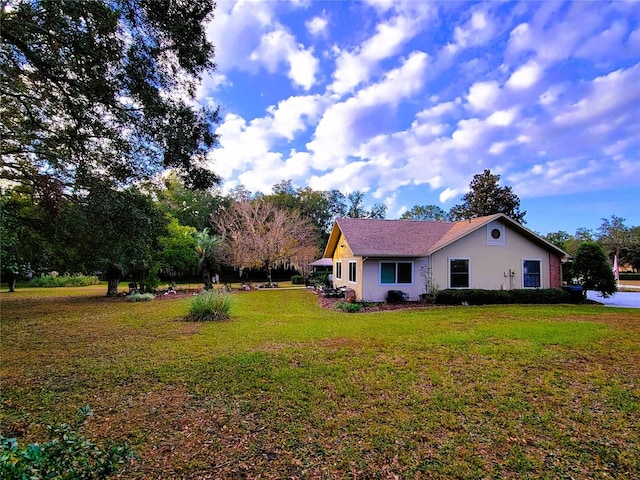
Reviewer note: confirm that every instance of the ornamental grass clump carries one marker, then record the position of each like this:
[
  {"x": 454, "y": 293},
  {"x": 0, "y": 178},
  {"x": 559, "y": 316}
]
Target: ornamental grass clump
[
  {"x": 210, "y": 306},
  {"x": 140, "y": 297}
]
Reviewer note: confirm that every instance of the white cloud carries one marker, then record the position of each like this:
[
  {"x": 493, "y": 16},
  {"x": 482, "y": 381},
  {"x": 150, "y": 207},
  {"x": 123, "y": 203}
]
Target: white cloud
[
  {"x": 244, "y": 146},
  {"x": 280, "y": 46},
  {"x": 240, "y": 24},
  {"x": 351, "y": 70},
  {"x": 399, "y": 83},
  {"x": 482, "y": 96},
  {"x": 502, "y": 118},
  {"x": 354, "y": 67},
  {"x": 478, "y": 30},
  {"x": 317, "y": 25},
  {"x": 612, "y": 94},
  {"x": 525, "y": 76},
  {"x": 288, "y": 117},
  {"x": 437, "y": 111},
  {"x": 448, "y": 194},
  {"x": 600, "y": 46},
  {"x": 469, "y": 133},
  {"x": 347, "y": 124},
  {"x": 520, "y": 38}
]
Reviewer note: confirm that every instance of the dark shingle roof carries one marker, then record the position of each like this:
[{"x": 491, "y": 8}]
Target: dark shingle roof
[
  {"x": 387, "y": 238},
  {"x": 405, "y": 238}
]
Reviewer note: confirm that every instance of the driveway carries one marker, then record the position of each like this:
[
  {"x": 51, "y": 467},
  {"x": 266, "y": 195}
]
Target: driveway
[{"x": 619, "y": 299}]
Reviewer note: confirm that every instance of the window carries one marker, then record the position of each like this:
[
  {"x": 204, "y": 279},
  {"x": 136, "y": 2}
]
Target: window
[
  {"x": 352, "y": 272},
  {"x": 495, "y": 234},
  {"x": 459, "y": 273},
  {"x": 396, "y": 272},
  {"x": 531, "y": 274},
  {"x": 338, "y": 269}
]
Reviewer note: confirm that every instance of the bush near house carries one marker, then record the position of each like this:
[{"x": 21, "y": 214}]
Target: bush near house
[
  {"x": 629, "y": 276},
  {"x": 502, "y": 297}
]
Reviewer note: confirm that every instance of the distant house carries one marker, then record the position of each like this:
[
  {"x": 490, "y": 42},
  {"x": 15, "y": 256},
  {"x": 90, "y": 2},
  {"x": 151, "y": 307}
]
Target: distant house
[{"x": 493, "y": 252}]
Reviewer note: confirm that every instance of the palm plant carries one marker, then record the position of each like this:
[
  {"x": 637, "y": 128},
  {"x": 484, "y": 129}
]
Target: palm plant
[{"x": 207, "y": 246}]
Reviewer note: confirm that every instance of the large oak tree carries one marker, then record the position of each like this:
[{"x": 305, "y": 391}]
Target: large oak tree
[
  {"x": 486, "y": 197},
  {"x": 104, "y": 88}
]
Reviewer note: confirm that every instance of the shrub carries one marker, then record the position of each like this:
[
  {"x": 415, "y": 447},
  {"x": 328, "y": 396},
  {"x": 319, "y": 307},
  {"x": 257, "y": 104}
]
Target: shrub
[
  {"x": 210, "y": 306},
  {"x": 591, "y": 265},
  {"x": 67, "y": 455},
  {"x": 321, "y": 279},
  {"x": 54, "y": 280},
  {"x": 493, "y": 297},
  {"x": 629, "y": 276},
  {"x": 140, "y": 297},
  {"x": 297, "y": 279},
  {"x": 349, "y": 307}
]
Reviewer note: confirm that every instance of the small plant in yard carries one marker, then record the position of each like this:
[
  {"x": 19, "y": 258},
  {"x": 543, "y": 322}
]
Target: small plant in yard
[
  {"x": 67, "y": 455},
  {"x": 431, "y": 288},
  {"x": 210, "y": 306},
  {"x": 141, "y": 297},
  {"x": 349, "y": 307}
]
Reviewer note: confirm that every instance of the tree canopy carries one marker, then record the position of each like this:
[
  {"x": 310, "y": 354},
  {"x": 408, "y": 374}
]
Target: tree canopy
[
  {"x": 486, "y": 197},
  {"x": 104, "y": 88},
  {"x": 258, "y": 234},
  {"x": 591, "y": 265},
  {"x": 619, "y": 240},
  {"x": 426, "y": 213}
]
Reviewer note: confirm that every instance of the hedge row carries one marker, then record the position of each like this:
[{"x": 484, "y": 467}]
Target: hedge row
[
  {"x": 490, "y": 297},
  {"x": 629, "y": 276}
]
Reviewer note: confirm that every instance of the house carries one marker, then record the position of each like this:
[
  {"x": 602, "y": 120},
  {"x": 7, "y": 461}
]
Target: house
[
  {"x": 322, "y": 266},
  {"x": 495, "y": 252}
]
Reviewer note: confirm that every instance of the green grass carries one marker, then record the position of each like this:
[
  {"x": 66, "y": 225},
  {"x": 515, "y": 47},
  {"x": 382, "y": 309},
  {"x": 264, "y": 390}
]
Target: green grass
[{"x": 288, "y": 389}]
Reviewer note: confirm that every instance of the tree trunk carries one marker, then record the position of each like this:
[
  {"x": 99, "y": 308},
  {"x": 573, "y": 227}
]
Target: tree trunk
[
  {"x": 269, "y": 274},
  {"x": 112, "y": 287},
  {"x": 12, "y": 284},
  {"x": 206, "y": 277}
]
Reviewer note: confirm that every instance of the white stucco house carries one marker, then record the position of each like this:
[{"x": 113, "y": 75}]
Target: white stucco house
[{"x": 494, "y": 252}]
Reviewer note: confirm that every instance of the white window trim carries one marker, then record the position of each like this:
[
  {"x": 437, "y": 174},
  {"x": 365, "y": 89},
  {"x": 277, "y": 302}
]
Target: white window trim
[
  {"x": 539, "y": 260},
  {"x": 355, "y": 272},
  {"x": 468, "y": 259},
  {"x": 396, "y": 276},
  {"x": 339, "y": 270}
]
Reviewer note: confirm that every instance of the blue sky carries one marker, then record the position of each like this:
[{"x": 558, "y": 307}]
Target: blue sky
[{"x": 408, "y": 100}]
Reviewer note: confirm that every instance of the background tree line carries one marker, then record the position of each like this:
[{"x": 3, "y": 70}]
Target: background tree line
[{"x": 164, "y": 230}]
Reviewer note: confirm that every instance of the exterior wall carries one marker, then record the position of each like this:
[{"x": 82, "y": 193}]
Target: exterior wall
[
  {"x": 344, "y": 254},
  {"x": 374, "y": 291},
  {"x": 494, "y": 267}
]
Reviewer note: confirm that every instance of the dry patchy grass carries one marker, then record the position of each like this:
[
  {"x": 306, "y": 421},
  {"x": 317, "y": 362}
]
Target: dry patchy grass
[{"x": 287, "y": 389}]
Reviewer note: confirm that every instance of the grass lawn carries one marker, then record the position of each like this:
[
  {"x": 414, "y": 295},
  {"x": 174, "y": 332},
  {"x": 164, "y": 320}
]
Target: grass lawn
[{"x": 287, "y": 389}]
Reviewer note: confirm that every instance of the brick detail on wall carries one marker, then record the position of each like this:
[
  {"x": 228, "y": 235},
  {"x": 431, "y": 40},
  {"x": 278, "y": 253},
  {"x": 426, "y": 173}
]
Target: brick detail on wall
[{"x": 555, "y": 271}]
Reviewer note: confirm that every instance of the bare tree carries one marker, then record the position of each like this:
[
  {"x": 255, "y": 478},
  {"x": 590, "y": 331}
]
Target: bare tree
[{"x": 258, "y": 234}]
